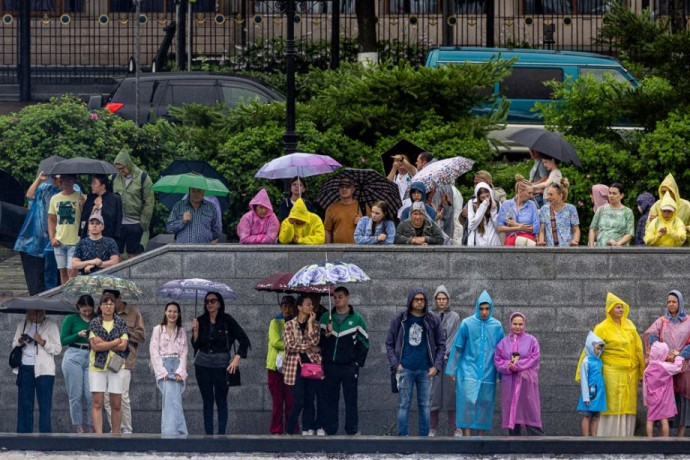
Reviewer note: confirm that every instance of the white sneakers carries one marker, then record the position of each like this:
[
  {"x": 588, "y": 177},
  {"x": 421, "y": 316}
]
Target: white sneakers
[
  {"x": 308, "y": 433},
  {"x": 458, "y": 433},
  {"x": 320, "y": 432},
  {"x": 432, "y": 433}
]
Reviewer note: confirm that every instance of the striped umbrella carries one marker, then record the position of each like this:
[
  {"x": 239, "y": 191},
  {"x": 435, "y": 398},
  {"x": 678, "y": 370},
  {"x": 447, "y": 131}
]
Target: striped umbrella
[{"x": 370, "y": 187}]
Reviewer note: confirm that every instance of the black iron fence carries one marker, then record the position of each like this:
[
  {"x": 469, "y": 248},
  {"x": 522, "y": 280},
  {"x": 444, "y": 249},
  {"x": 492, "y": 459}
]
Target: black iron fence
[{"x": 96, "y": 38}]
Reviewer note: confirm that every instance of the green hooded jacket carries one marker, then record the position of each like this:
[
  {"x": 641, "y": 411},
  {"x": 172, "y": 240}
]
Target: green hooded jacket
[{"x": 137, "y": 197}]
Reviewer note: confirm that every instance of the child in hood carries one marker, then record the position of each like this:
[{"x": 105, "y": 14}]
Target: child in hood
[
  {"x": 592, "y": 395},
  {"x": 259, "y": 225},
  {"x": 302, "y": 227},
  {"x": 666, "y": 230},
  {"x": 658, "y": 387}
]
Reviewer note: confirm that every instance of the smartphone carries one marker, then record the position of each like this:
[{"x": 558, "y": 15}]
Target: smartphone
[{"x": 27, "y": 338}]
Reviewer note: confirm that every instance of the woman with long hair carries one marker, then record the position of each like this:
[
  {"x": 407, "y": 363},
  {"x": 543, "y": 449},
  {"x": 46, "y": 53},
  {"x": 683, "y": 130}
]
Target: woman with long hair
[
  {"x": 168, "y": 352},
  {"x": 75, "y": 363},
  {"x": 377, "y": 229},
  {"x": 40, "y": 341},
  {"x": 213, "y": 336},
  {"x": 560, "y": 224},
  {"x": 482, "y": 217},
  {"x": 298, "y": 188},
  {"x": 108, "y": 338},
  {"x": 613, "y": 223}
]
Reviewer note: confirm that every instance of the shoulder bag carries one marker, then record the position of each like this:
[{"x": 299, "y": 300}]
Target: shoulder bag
[
  {"x": 16, "y": 353},
  {"x": 232, "y": 380}
]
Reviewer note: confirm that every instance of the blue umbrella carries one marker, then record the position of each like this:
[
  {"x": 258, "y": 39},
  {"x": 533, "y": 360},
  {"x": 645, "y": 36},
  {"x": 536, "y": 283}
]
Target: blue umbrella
[
  {"x": 188, "y": 289},
  {"x": 328, "y": 274}
]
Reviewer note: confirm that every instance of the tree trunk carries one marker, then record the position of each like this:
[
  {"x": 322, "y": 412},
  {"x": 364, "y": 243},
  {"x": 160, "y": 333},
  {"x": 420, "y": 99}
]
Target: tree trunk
[{"x": 366, "y": 23}]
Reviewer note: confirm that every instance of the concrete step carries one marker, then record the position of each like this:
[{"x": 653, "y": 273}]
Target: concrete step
[{"x": 12, "y": 282}]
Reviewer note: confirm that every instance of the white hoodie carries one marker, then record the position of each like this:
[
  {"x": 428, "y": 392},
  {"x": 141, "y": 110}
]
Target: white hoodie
[{"x": 474, "y": 218}]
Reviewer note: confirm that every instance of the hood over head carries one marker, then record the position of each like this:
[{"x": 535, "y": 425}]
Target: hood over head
[
  {"x": 658, "y": 352},
  {"x": 590, "y": 342},
  {"x": 439, "y": 290},
  {"x": 484, "y": 297},
  {"x": 667, "y": 202},
  {"x": 521, "y": 315},
  {"x": 125, "y": 158},
  {"x": 262, "y": 199},
  {"x": 645, "y": 201},
  {"x": 611, "y": 301},
  {"x": 421, "y": 187},
  {"x": 600, "y": 195},
  {"x": 413, "y": 292},
  {"x": 485, "y": 186},
  {"x": 299, "y": 211},
  {"x": 681, "y": 308},
  {"x": 419, "y": 206},
  {"x": 669, "y": 183}
]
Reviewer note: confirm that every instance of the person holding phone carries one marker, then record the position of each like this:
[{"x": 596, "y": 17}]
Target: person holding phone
[{"x": 40, "y": 341}]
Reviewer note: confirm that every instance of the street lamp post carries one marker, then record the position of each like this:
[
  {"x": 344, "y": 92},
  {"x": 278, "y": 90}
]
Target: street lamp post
[{"x": 290, "y": 137}]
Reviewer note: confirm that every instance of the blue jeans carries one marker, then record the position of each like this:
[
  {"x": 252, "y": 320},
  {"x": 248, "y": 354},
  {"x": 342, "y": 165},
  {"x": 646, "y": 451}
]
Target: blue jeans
[
  {"x": 40, "y": 387},
  {"x": 407, "y": 382},
  {"x": 51, "y": 276},
  {"x": 75, "y": 368},
  {"x": 172, "y": 419}
]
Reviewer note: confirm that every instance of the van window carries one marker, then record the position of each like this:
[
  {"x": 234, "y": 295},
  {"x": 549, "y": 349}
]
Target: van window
[
  {"x": 598, "y": 73},
  {"x": 236, "y": 95},
  {"x": 529, "y": 83},
  {"x": 186, "y": 92}
]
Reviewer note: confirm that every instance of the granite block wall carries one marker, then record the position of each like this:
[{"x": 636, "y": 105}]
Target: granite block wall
[{"x": 562, "y": 292}]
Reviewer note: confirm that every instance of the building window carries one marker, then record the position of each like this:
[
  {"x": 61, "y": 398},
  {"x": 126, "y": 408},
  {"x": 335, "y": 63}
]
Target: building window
[
  {"x": 412, "y": 6},
  {"x": 469, "y": 6}
]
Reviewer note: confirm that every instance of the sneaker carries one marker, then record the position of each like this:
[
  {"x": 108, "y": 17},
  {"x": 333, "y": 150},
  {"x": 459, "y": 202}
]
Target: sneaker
[
  {"x": 432, "y": 433},
  {"x": 126, "y": 431},
  {"x": 320, "y": 432},
  {"x": 308, "y": 433},
  {"x": 458, "y": 433}
]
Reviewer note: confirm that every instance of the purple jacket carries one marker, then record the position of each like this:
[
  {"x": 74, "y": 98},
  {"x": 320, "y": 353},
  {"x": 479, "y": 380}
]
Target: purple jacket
[{"x": 436, "y": 341}]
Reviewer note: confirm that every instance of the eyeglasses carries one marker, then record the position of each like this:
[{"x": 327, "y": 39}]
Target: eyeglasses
[
  {"x": 208, "y": 301},
  {"x": 107, "y": 304}
]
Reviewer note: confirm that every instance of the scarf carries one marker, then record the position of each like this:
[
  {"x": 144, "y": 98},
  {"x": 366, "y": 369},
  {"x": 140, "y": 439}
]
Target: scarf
[{"x": 119, "y": 328}]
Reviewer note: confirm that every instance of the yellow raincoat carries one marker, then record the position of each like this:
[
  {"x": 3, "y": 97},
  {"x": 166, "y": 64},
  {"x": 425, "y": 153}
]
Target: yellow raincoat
[
  {"x": 675, "y": 229},
  {"x": 622, "y": 358},
  {"x": 682, "y": 206},
  {"x": 312, "y": 232}
]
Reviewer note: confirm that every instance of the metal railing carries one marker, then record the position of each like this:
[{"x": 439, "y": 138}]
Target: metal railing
[{"x": 95, "y": 38}]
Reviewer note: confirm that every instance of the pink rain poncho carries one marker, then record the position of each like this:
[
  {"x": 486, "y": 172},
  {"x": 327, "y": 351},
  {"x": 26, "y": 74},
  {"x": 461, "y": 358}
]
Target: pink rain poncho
[
  {"x": 658, "y": 383},
  {"x": 520, "y": 403},
  {"x": 252, "y": 229}
]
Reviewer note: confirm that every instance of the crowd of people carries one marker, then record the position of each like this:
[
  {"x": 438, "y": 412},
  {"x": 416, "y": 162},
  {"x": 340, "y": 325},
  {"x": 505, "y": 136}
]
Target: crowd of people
[{"x": 314, "y": 354}]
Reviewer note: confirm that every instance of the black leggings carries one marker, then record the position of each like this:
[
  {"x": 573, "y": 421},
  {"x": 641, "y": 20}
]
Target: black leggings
[{"x": 214, "y": 388}]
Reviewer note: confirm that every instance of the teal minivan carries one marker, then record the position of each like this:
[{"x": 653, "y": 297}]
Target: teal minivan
[{"x": 533, "y": 68}]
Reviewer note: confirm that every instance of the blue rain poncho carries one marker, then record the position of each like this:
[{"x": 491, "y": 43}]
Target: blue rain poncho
[
  {"x": 471, "y": 361},
  {"x": 33, "y": 237}
]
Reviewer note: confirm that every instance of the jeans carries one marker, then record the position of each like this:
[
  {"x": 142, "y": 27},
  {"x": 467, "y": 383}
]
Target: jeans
[
  {"x": 337, "y": 376},
  {"x": 172, "y": 419},
  {"x": 33, "y": 273},
  {"x": 282, "y": 401},
  {"x": 51, "y": 276},
  {"x": 214, "y": 388},
  {"x": 75, "y": 368},
  {"x": 42, "y": 387},
  {"x": 407, "y": 382},
  {"x": 304, "y": 392}
]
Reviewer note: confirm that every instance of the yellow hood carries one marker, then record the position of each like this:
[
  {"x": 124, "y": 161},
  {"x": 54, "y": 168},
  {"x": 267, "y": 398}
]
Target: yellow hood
[
  {"x": 670, "y": 183},
  {"x": 668, "y": 200},
  {"x": 299, "y": 211},
  {"x": 611, "y": 301}
]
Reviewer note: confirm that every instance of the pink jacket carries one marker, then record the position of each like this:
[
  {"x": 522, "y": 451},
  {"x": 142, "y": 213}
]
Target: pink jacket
[
  {"x": 162, "y": 345},
  {"x": 658, "y": 383},
  {"x": 252, "y": 229}
]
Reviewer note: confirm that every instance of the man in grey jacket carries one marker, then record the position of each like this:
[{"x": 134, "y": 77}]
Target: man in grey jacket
[{"x": 416, "y": 347}]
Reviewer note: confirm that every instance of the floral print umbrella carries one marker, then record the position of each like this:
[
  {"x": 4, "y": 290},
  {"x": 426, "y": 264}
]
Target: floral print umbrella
[
  {"x": 443, "y": 172},
  {"x": 328, "y": 274},
  {"x": 94, "y": 285},
  {"x": 188, "y": 289}
]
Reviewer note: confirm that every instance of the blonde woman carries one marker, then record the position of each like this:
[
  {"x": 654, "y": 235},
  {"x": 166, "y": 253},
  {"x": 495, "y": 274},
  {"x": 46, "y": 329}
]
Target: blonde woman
[
  {"x": 519, "y": 216},
  {"x": 560, "y": 224}
]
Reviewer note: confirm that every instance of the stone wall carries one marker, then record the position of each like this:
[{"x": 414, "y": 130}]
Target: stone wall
[{"x": 561, "y": 291}]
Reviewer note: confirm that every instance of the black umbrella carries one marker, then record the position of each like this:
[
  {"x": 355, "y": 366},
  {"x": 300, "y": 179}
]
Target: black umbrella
[
  {"x": 81, "y": 165},
  {"x": 370, "y": 187},
  {"x": 198, "y": 166},
  {"x": 402, "y": 147},
  {"x": 11, "y": 221},
  {"x": 548, "y": 143},
  {"x": 52, "y": 306},
  {"x": 48, "y": 163}
]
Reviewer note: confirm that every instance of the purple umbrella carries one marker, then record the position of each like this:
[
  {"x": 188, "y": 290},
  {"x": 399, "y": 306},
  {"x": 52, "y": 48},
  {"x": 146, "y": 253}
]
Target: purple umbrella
[
  {"x": 189, "y": 289},
  {"x": 297, "y": 164}
]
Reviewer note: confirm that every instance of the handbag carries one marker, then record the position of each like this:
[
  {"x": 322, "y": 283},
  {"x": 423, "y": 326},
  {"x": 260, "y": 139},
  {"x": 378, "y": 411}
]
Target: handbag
[
  {"x": 311, "y": 371},
  {"x": 524, "y": 241},
  {"x": 16, "y": 356},
  {"x": 115, "y": 363}
]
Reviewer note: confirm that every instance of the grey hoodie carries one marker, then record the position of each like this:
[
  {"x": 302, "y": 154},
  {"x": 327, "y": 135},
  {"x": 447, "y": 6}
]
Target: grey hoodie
[{"x": 450, "y": 320}]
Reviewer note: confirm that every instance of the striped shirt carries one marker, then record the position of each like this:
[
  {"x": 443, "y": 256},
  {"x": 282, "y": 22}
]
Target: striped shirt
[{"x": 202, "y": 229}]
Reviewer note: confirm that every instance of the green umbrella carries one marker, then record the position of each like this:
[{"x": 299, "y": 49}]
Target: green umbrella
[
  {"x": 95, "y": 285},
  {"x": 180, "y": 183}
]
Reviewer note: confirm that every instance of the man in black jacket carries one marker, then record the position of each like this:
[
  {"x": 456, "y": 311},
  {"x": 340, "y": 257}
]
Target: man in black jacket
[{"x": 344, "y": 346}]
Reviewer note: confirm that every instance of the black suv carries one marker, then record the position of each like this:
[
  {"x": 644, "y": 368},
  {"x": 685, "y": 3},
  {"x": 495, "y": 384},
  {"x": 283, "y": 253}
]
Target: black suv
[{"x": 158, "y": 91}]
